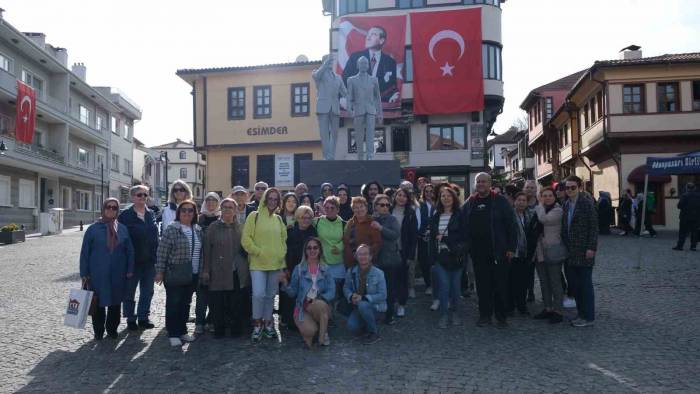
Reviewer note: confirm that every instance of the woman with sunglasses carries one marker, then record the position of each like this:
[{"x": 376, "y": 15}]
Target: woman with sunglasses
[
  {"x": 313, "y": 289},
  {"x": 106, "y": 263},
  {"x": 297, "y": 236},
  {"x": 265, "y": 240},
  {"x": 404, "y": 212},
  {"x": 389, "y": 258},
  {"x": 178, "y": 265},
  {"x": 143, "y": 231},
  {"x": 179, "y": 192},
  {"x": 330, "y": 231}
]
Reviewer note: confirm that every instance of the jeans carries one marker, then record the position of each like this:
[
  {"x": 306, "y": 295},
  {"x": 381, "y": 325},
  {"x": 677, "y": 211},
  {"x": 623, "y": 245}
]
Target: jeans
[
  {"x": 518, "y": 284},
  {"x": 177, "y": 309},
  {"x": 425, "y": 261},
  {"x": 550, "y": 284},
  {"x": 448, "y": 287},
  {"x": 111, "y": 323},
  {"x": 144, "y": 273},
  {"x": 581, "y": 278},
  {"x": 393, "y": 277},
  {"x": 265, "y": 288},
  {"x": 200, "y": 307},
  {"x": 363, "y": 317},
  {"x": 491, "y": 286}
]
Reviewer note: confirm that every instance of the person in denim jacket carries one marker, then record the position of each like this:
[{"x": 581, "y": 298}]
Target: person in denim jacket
[
  {"x": 365, "y": 290},
  {"x": 313, "y": 288}
]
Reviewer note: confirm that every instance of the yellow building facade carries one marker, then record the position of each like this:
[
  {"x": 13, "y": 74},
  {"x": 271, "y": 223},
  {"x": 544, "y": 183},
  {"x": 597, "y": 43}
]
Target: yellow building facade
[{"x": 254, "y": 123}]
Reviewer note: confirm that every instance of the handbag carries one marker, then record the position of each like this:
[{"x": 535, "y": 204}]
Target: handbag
[
  {"x": 555, "y": 253},
  {"x": 181, "y": 274},
  {"x": 79, "y": 302},
  {"x": 93, "y": 300}
]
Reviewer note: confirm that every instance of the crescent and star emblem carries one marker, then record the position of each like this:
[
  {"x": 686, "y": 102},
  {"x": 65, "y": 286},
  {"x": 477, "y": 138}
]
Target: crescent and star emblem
[
  {"x": 446, "y": 35},
  {"x": 26, "y": 100}
]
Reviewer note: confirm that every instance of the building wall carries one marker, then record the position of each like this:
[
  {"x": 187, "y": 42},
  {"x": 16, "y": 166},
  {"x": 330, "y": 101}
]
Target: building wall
[{"x": 13, "y": 213}]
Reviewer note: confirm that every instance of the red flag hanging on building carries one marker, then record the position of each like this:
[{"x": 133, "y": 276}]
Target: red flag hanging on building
[
  {"x": 447, "y": 73},
  {"x": 26, "y": 113}
]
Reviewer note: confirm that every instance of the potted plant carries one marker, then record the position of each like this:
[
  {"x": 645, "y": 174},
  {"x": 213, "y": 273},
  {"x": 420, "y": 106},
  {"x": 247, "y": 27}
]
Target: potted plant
[{"x": 11, "y": 234}]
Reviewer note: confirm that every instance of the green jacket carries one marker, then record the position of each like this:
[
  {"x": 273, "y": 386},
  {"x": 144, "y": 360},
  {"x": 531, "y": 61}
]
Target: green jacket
[
  {"x": 265, "y": 239},
  {"x": 331, "y": 234}
]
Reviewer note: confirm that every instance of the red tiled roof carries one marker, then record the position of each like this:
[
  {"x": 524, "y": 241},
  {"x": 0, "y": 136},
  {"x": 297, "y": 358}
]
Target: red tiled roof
[
  {"x": 692, "y": 57},
  {"x": 565, "y": 83}
]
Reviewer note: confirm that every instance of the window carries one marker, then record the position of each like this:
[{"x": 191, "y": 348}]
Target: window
[
  {"x": 667, "y": 97},
  {"x": 84, "y": 200},
  {"x": 5, "y": 188},
  {"x": 114, "y": 125},
  {"x": 38, "y": 138},
  {"x": 352, "y": 6},
  {"x": 491, "y": 61},
  {"x": 99, "y": 122},
  {"x": 633, "y": 99},
  {"x": 379, "y": 141},
  {"x": 592, "y": 106},
  {"x": 84, "y": 114},
  {"x": 199, "y": 174},
  {"x": 409, "y": 64},
  {"x": 263, "y": 107},
  {"x": 449, "y": 137},
  {"x": 33, "y": 81},
  {"x": 5, "y": 63},
  {"x": 497, "y": 3},
  {"x": 240, "y": 171},
  {"x": 548, "y": 108},
  {"x": 298, "y": 158},
  {"x": 300, "y": 99},
  {"x": 127, "y": 131},
  {"x": 83, "y": 157},
  {"x": 115, "y": 162},
  {"x": 599, "y": 104},
  {"x": 401, "y": 139},
  {"x": 266, "y": 169},
  {"x": 98, "y": 201},
  {"x": 564, "y": 135},
  {"x": 127, "y": 167},
  {"x": 410, "y": 3},
  {"x": 27, "y": 193},
  {"x": 183, "y": 155},
  {"x": 66, "y": 198},
  {"x": 696, "y": 95},
  {"x": 236, "y": 103},
  {"x": 586, "y": 119},
  {"x": 183, "y": 173}
]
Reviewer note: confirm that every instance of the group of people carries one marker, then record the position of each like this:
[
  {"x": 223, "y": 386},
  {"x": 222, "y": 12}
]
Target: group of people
[{"x": 339, "y": 255}]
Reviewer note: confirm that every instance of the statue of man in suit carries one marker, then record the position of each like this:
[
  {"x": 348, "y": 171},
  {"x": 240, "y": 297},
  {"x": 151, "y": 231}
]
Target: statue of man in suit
[
  {"x": 330, "y": 88},
  {"x": 365, "y": 105}
]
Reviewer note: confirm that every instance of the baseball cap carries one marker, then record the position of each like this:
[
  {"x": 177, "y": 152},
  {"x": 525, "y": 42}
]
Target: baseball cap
[{"x": 239, "y": 189}]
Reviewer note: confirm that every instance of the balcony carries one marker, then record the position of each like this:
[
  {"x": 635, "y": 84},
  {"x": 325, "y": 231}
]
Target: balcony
[
  {"x": 566, "y": 153},
  {"x": 592, "y": 136},
  {"x": 39, "y": 152},
  {"x": 645, "y": 125}
]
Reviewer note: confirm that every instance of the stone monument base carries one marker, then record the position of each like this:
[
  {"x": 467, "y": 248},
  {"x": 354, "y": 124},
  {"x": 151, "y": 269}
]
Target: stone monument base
[{"x": 353, "y": 173}]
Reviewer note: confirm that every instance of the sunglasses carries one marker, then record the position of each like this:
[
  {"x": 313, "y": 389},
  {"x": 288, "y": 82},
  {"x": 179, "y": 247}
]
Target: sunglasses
[
  {"x": 112, "y": 207},
  {"x": 312, "y": 248},
  {"x": 141, "y": 195},
  {"x": 571, "y": 187},
  {"x": 383, "y": 205},
  {"x": 178, "y": 190},
  {"x": 186, "y": 210}
]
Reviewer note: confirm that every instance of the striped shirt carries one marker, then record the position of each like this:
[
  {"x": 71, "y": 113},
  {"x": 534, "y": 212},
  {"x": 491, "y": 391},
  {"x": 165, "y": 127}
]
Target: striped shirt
[
  {"x": 197, "y": 248},
  {"x": 444, "y": 221}
]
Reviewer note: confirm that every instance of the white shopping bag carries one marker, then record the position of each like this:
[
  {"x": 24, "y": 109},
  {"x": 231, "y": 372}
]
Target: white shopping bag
[{"x": 78, "y": 308}]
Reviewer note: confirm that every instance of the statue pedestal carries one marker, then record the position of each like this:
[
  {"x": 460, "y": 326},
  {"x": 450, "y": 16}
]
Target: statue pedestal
[{"x": 353, "y": 173}]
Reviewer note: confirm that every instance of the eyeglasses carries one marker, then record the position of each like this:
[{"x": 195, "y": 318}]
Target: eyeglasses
[
  {"x": 178, "y": 190},
  {"x": 312, "y": 248},
  {"x": 571, "y": 187},
  {"x": 142, "y": 195},
  {"x": 112, "y": 207},
  {"x": 383, "y": 204},
  {"x": 186, "y": 210},
  {"x": 260, "y": 189}
]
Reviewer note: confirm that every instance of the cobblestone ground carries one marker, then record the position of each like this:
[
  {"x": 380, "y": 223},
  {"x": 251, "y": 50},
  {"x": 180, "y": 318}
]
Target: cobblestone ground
[{"x": 646, "y": 339}]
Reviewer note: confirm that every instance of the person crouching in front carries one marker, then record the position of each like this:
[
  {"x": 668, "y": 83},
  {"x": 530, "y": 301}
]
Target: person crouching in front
[{"x": 365, "y": 290}]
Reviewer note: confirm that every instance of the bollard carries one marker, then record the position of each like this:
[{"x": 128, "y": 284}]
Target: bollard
[{"x": 81, "y": 225}]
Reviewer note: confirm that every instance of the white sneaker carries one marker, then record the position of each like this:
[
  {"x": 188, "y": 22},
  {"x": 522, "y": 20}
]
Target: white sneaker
[
  {"x": 326, "y": 340},
  {"x": 569, "y": 303},
  {"x": 187, "y": 338},
  {"x": 175, "y": 342},
  {"x": 428, "y": 291},
  {"x": 435, "y": 306},
  {"x": 199, "y": 329},
  {"x": 401, "y": 311}
]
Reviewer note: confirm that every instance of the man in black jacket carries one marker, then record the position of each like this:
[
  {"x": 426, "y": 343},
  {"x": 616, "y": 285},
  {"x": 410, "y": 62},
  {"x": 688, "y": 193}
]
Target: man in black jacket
[
  {"x": 490, "y": 231},
  {"x": 689, "y": 206}
]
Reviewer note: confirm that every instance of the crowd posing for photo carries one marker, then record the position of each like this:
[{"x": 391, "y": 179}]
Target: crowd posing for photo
[{"x": 342, "y": 257}]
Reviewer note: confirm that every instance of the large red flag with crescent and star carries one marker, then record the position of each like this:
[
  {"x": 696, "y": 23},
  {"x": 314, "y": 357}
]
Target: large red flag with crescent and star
[
  {"x": 447, "y": 74},
  {"x": 26, "y": 113}
]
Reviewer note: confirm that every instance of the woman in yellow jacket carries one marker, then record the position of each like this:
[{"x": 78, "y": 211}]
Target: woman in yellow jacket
[{"x": 265, "y": 240}]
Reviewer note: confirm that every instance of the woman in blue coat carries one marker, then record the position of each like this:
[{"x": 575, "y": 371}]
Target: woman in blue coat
[{"x": 106, "y": 261}]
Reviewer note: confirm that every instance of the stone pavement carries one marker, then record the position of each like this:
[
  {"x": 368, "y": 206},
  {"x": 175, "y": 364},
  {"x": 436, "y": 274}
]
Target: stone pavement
[{"x": 646, "y": 339}]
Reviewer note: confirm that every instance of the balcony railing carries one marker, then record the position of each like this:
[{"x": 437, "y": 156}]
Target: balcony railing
[
  {"x": 7, "y": 125},
  {"x": 39, "y": 152}
]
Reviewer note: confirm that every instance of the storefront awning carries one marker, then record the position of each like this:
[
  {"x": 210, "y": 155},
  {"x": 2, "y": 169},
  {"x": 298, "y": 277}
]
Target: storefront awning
[{"x": 637, "y": 176}]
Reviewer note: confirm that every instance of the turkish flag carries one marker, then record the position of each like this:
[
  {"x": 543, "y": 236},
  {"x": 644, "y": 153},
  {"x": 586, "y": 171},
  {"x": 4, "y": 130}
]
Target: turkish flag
[
  {"x": 26, "y": 113},
  {"x": 447, "y": 74}
]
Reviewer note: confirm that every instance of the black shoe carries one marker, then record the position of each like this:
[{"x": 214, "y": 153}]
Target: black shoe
[
  {"x": 693, "y": 249},
  {"x": 98, "y": 337},
  {"x": 372, "y": 338},
  {"x": 556, "y": 318},
  {"x": 677, "y": 248},
  {"x": 112, "y": 334},
  {"x": 543, "y": 315},
  {"x": 483, "y": 322},
  {"x": 511, "y": 313},
  {"x": 132, "y": 326},
  {"x": 146, "y": 325},
  {"x": 219, "y": 335},
  {"x": 502, "y": 324}
]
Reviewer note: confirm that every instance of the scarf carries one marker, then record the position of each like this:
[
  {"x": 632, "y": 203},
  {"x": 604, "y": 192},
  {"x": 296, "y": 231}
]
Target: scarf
[
  {"x": 111, "y": 225},
  {"x": 362, "y": 285}
]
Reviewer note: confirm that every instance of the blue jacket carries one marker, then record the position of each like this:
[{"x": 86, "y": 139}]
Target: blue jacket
[
  {"x": 376, "y": 287},
  {"x": 301, "y": 282},
  {"x": 107, "y": 271},
  {"x": 143, "y": 233}
]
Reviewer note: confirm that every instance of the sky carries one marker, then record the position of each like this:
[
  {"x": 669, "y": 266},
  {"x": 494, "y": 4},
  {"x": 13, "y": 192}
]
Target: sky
[{"x": 137, "y": 46}]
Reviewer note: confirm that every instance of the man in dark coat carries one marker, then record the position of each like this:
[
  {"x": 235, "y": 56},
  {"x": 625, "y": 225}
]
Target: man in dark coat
[
  {"x": 689, "y": 206},
  {"x": 579, "y": 232},
  {"x": 491, "y": 235}
]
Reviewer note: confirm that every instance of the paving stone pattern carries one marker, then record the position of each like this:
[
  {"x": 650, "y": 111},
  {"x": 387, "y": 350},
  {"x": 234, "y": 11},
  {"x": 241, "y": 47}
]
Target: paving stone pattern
[{"x": 646, "y": 339}]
